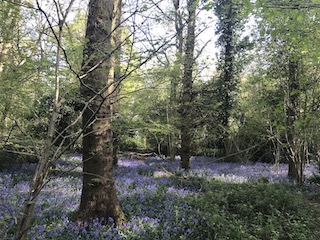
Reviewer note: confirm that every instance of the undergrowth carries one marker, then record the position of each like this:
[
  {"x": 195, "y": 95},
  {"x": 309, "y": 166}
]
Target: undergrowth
[{"x": 171, "y": 206}]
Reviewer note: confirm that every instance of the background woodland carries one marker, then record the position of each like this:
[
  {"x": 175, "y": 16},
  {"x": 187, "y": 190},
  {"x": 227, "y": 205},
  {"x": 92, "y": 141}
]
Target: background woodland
[{"x": 238, "y": 81}]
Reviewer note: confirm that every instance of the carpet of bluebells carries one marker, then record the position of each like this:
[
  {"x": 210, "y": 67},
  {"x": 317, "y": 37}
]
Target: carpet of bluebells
[{"x": 212, "y": 201}]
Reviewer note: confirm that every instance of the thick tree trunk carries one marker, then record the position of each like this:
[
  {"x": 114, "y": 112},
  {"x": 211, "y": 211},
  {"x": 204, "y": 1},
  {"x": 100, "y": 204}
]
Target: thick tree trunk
[
  {"x": 186, "y": 100},
  {"x": 98, "y": 198}
]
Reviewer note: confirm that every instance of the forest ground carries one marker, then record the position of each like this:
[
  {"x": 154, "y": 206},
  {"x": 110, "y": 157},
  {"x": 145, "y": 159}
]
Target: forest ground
[{"x": 212, "y": 201}]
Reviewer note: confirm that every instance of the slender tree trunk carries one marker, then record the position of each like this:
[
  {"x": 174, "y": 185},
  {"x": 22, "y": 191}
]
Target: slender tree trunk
[
  {"x": 175, "y": 79},
  {"x": 186, "y": 99},
  {"x": 115, "y": 74},
  {"x": 172, "y": 118},
  {"x": 44, "y": 164},
  {"x": 98, "y": 198}
]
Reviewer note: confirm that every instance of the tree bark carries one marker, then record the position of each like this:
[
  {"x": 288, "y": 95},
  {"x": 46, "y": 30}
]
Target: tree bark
[
  {"x": 98, "y": 198},
  {"x": 115, "y": 73},
  {"x": 175, "y": 78},
  {"x": 296, "y": 162},
  {"x": 186, "y": 100}
]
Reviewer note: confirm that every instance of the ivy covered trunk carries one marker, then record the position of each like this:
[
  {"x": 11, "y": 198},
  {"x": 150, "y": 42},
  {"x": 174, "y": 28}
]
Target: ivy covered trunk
[
  {"x": 186, "y": 101},
  {"x": 98, "y": 198},
  {"x": 226, "y": 84}
]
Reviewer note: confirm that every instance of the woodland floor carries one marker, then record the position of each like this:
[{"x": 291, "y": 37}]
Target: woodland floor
[{"x": 213, "y": 201}]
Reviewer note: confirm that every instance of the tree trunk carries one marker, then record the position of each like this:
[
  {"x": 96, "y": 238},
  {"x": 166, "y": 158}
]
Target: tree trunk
[
  {"x": 98, "y": 198},
  {"x": 186, "y": 100},
  {"x": 41, "y": 173},
  {"x": 175, "y": 79},
  {"x": 296, "y": 163},
  {"x": 226, "y": 83},
  {"x": 115, "y": 74}
]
